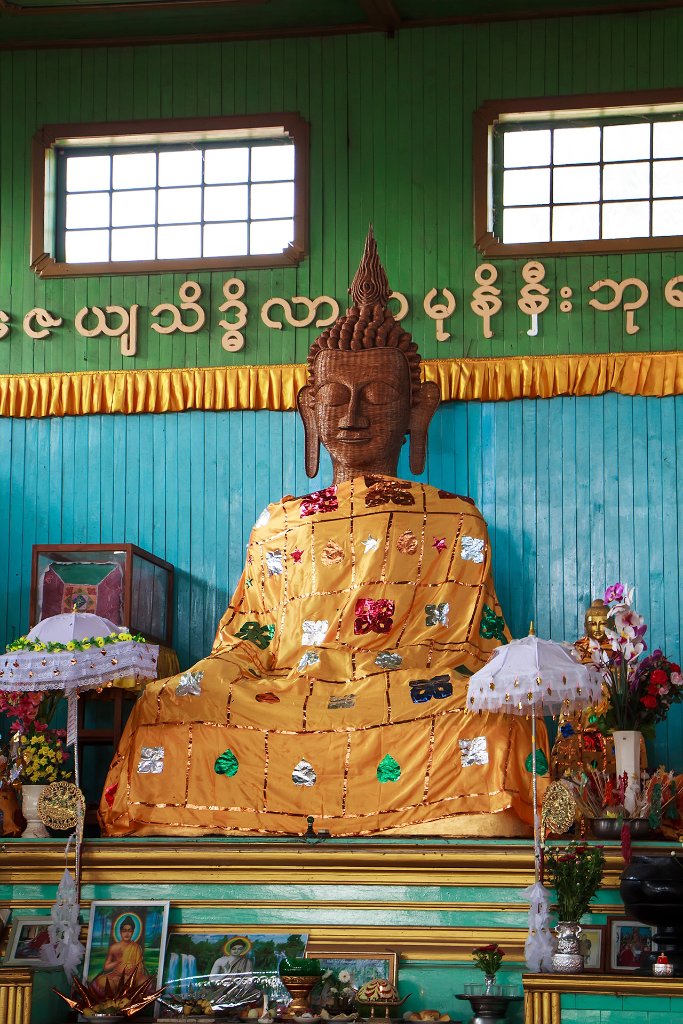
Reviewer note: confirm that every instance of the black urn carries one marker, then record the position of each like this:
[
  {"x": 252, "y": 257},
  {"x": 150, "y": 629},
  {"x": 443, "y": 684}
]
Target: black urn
[{"x": 652, "y": 891}]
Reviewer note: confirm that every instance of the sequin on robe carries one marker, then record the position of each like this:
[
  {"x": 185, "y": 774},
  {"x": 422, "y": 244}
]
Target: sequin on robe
[{"x": 333, "y": 688}]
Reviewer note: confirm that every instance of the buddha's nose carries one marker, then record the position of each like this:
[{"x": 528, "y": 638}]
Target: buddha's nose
[{"x": 355, "y": 418}]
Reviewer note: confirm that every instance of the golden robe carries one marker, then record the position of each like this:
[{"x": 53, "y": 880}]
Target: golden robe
[{"x": 336, "y": 685}]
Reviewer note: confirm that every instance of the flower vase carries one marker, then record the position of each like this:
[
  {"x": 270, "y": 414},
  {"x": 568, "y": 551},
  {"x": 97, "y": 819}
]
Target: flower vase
[
  {"x": 489, "y": 982},
  {"x": 568, "y": 958},
  {"x": 35, "y": 829},
  {"x": 627, "y": 756}
]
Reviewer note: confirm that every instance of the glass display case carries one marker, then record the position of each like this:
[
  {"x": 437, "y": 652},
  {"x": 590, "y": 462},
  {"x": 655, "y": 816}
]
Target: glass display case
[{"x": 120, "y": 582}]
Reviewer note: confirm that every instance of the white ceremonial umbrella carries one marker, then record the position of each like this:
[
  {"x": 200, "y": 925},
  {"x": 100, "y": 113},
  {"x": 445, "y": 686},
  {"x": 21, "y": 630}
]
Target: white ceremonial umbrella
[
  {"x": 32, "y": 671},
  {"x": 531, "y": 677},
  {"x": 72, "y": 626},
  {"x": 71, "y": 671}
]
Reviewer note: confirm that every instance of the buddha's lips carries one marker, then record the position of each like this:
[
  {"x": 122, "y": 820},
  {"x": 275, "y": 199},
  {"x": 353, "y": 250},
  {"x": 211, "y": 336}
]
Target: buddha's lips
[{"x": 353, "y": 438}]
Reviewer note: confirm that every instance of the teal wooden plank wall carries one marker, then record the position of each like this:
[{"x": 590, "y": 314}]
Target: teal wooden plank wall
[
  {"x": 390, "y": 143},
  {"x": 577, "y": 492}
]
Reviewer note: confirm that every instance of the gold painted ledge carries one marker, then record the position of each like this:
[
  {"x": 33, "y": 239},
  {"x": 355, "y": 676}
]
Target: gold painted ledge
[
  {"x": 483, "y": 863},
  {"x": 15, "y": 995},
  {"x": 542, "y": 992}
]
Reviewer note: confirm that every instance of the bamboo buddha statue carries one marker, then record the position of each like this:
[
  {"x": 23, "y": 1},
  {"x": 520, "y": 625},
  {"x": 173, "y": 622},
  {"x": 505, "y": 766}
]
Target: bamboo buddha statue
[{"x": 336, "y": 685}]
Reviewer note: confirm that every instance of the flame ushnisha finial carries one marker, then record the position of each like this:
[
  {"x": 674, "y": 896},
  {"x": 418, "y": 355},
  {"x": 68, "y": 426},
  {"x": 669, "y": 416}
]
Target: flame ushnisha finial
[{"x": 370, "y": 285}]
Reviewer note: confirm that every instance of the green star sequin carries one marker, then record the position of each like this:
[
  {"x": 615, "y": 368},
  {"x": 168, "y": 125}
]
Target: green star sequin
[
  {"x": 492, "y": 626},
  {"x": 226, "y": 764},
  {"x": 388, "y": 770},
  {"x": 541, "y": 763},
  {"x": 256, "y": 634},
  {"x": 249, "y": 582}
]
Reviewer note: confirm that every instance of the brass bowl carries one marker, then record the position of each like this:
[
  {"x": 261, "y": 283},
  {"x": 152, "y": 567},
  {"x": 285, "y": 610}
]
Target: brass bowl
[{"x": 610, "y": 828}]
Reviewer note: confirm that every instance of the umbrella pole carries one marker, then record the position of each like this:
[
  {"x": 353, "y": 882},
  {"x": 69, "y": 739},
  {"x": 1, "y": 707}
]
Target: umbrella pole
[{"x": 534, "y": 790}]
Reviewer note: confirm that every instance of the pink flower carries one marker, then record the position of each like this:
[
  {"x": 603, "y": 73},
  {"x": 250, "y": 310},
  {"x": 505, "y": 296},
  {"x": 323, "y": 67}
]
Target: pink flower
[
  {"x": 627, "y": 622},
  {"x": 614, "y": 593},
  {"x": 676, "y": 678}
]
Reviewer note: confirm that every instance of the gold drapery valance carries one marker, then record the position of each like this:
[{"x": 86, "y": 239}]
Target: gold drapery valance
[{"x": 215, "y": 388}]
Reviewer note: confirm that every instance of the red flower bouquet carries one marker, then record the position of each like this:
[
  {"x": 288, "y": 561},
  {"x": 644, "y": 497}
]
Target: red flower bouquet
[{"x": 638, "y": 691}]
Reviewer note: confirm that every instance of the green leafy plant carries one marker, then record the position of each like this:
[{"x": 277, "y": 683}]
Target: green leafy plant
[{"x": 575, "y": 871}]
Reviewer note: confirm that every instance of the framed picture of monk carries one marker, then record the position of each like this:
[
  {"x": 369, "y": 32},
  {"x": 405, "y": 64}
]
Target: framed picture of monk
[
  {"x": 26, "y": 937},
  {"x": 630, "y": 943},
  {"x": 125, "y": 938}
]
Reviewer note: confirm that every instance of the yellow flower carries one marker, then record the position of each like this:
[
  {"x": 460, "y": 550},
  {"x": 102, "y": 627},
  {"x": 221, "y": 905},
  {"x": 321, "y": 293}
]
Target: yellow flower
[
  {"x": 99, "y": 640},
  {"x": 85, "y": 645},
  {"x": 71, "y": 646},
  {"x": 40, "y": 647},
  {"x": 125, "y": 636}
]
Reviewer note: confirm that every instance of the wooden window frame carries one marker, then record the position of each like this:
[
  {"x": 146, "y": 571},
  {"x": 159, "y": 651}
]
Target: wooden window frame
[
  {"x": 43, "y": 231},
  {"x": 596, "y": 105}
]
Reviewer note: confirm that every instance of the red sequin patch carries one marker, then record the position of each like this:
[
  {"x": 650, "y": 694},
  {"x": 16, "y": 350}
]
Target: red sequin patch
[
  {"x": 267, "y": 698},
  {"x": 110, "y": 793},
  {"x": 319, "y": 501},
  {"x": 373, "y": 616}
]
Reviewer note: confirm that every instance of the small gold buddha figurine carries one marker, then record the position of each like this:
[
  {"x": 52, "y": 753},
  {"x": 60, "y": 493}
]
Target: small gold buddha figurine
[
  {"x": 579, "y": 744},
  {"x": 594, "y": 624}
]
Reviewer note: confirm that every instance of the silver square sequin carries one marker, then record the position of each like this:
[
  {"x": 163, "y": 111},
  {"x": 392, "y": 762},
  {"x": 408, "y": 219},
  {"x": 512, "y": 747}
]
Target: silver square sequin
[
  {"x": 473, "y": 751},
  {"x": 437, "y": 614},
  {"x": 151, "y": 761},
  {"x": 472, "y": 549}
]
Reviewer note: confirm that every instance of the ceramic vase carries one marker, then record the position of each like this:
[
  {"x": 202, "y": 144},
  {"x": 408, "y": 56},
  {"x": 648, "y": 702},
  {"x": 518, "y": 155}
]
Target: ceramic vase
[
  {"x": 35, "y": 829},
  {"x": 627, "y": 755},
  {"x": 568, "y": 958}
]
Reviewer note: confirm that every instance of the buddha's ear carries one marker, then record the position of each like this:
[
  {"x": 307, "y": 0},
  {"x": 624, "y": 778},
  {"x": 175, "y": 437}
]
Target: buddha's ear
[
  {"x": 305, "y": 403},
  {"x": 420, "y": 417}
]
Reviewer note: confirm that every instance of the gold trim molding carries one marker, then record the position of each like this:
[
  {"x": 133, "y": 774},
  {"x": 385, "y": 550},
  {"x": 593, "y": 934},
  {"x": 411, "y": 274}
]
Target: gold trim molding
[
  {"x": 542, "y": 992},
  {"x": 371, "y": 906},
  {"x": 171, "y": 862},
  {"x": 421, "y": 943},
  {"x": 221, "y": 388},
  {"x": 15, "y": 995}
]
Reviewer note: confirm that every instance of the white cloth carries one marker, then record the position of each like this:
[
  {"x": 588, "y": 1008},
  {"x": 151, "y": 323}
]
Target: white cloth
[{"x": 34, "y": 671}]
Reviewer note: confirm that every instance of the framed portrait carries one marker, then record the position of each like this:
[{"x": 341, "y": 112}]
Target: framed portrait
[
  {"x": 349, "y": 971},
  {"x": 26, "y": 936},
  {"x": 630, "y": 942},
  {"x": 246, "y": 963},
  {"x": 124, "y": 938},
  {"x": 593, "y": 947},
  {"x": 217, "y": 954}
]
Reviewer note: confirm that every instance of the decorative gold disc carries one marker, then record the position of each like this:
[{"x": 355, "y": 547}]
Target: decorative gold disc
[
  {"x": 559, "y": 809},
  {"x": 61, "y": 805}
]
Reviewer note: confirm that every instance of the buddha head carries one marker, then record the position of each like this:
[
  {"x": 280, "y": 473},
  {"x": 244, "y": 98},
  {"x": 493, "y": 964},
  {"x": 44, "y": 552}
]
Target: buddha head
[
  {"x": 596, "y": 617},
  {"x": 364, "y": 394}
]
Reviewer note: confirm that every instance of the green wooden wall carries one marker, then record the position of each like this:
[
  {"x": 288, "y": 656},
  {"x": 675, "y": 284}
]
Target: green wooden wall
[{"x": 390, "y": 143}]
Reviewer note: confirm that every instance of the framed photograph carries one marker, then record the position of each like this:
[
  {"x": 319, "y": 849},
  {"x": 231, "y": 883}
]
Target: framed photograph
[
  {"x": 125, "y": 938},
  {"x": 629, "y": 943},
  {"x": 26, "y": 936},
  {"x": 348, "y": 971},
  {"x": 593, "y": 947},
  {"x": 215, "y": 954}
]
